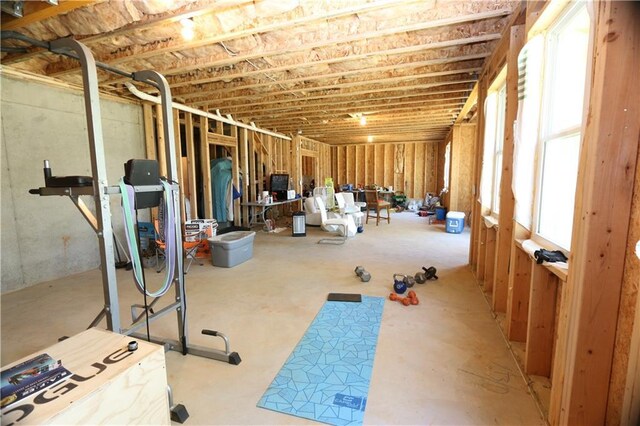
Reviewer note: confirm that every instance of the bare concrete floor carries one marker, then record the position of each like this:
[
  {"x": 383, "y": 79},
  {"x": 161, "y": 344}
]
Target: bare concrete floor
[{"x": 441, "y": 362}]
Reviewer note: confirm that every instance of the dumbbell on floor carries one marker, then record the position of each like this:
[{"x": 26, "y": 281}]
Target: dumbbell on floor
[
  {"x": 428, "y": 274},
  {"x": 363, "y": 274},
  {"x": 409, "y": 281}
]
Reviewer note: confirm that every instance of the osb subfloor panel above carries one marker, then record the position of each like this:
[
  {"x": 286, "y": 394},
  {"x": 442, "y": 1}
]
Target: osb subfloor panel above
[
  {"x": 315, "y": 66},
  {"x": 441, "y": 362}
]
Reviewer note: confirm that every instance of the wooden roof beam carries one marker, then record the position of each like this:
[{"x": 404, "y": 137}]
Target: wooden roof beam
[
  {"x": 451, "y": 107},
  {"x": 422, "y": 22},
  {"x": 342, "y": 84},
  {"x": 369, "y": 109},
  {"x": 190, "y": 10},
  {"x": 439, "y": 81},
  {"x": 419, "y": 69},
  {"x": 424, "y": 52},
  {"x": 356, "y": 105},
  {"x": 35, "y": 12}
]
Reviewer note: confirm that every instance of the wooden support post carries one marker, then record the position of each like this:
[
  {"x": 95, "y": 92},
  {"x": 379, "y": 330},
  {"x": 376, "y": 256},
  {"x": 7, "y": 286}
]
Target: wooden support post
[
  {"x": 476, "y": 208},
  {"x": 489, "y": 258},
  {"x": 297, "y": 172},
  {"x": 267, "y": 142},
  {"x": 261, "y": 164},
  {"x": 606, "y": 174},
  {"x": 206, "y": 168},
  {"x": 235, "y": 171},
  {"x": 559, "y": 359},
  {"x": 454, "y": 177},
  {"x": 243, "y": 145},
  {"x": 519, "y": 288},
  {"x": 507, "y": 202},
  {"x": 250, "y": 181},
  {"x": 191, "y": 164},
  {"x": 149, "y": 133},
  {"x": 482, "y": 237},
  {"x": 162, "y": 156},
  {"x": 541, "y": 327}
]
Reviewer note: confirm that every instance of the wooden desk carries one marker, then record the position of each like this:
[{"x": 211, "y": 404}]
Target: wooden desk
[{"x": 108, "y": 385}]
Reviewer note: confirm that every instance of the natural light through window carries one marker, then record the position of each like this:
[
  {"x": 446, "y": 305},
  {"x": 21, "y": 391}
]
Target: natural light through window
[
  {"x": 499, "y": 143},
  {"x": 566, "y": 61},
  {"x": 495, "y": 105},
  {"x": 447, "y": 165}
]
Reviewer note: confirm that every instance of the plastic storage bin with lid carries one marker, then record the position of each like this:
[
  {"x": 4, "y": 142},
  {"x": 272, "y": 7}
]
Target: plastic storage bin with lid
[
  {"x": 455, "y": 222},
  {"x": 231, "y": 249}
]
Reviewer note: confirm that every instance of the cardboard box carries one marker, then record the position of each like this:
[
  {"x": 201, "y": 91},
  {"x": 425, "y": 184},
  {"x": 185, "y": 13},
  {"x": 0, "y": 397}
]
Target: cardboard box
[
  {"x": 200, "y": 229},
  {"x": 206, "y": 226}
]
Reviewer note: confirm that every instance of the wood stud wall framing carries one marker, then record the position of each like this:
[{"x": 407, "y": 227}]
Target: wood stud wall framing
[
  {"x": 581, "y": 330},
  {"x": 577, "y": 333},
  {"x": 270, "y": 155},
  {"x": 407, "y": 167}
]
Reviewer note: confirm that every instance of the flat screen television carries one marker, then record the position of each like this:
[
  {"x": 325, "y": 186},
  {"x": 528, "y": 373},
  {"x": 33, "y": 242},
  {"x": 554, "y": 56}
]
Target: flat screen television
[{"x": 279, "y": 182}]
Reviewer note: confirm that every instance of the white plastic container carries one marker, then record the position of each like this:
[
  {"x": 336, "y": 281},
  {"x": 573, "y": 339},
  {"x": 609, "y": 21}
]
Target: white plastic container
[{"x": 231, "y": 249}]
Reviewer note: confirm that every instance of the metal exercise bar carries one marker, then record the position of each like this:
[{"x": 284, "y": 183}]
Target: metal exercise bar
[
  {"x": 172, "y": 170},
  {"x": 100, "y": 191},
  {"x": 98, "y": 167},
  {"x": 60, "y": 50}
]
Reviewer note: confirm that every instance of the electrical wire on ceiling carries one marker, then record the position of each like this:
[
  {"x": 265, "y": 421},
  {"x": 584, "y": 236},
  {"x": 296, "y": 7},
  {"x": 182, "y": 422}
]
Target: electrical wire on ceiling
[{"x": 232, "y": 53}]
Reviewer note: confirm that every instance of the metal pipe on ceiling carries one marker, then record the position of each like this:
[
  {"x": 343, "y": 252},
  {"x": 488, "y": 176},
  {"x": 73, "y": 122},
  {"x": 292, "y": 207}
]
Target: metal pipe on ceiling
[
  {"x": 229, "y": 120},
  {"x": 46, "y": 45}
]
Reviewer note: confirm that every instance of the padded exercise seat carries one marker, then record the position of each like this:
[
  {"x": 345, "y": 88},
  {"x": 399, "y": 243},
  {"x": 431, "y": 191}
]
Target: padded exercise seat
[{"x": 376, "y": 204}]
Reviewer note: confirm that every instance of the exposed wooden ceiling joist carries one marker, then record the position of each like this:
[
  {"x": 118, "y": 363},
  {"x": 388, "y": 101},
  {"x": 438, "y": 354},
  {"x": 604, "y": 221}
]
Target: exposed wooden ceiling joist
[
  {"x": 36, "y": 11},
  {"x": 343, "y": 93},
  {"x": 408, "y": 65},
  {"x": 361, "y": 102}
]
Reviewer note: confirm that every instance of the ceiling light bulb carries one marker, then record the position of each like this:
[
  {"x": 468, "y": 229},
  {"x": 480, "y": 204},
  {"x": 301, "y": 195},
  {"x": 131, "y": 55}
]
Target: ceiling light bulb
[
  {"x": 369, "y": 138},
  {"x": 187, "y": 23},
  {"x": 187, "y": 33},
  {"x": 187, "y": 30},
  {"x": 363, "y": 120}
]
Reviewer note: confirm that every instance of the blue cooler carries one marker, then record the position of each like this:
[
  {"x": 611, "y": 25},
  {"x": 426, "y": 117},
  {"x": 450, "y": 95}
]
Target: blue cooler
[{"x": 455, "y": 222}]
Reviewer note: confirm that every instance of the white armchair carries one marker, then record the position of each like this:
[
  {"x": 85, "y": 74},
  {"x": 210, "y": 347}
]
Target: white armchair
[
  {"x": 349, "y": 212},
  {"x": 312, "y": 212}
]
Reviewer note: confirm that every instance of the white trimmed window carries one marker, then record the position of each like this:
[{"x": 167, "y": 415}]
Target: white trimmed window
[
  {"x": 566, "y": 60},
  {"x": 447, "y": 166},
  {"x": 499, "y": 143},
  {"x": 493, "y": 144}
]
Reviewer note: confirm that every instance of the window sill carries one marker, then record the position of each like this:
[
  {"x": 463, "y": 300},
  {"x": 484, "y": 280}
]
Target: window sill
[
  {"x": 558, "y": 270},
  {"x": 490, "y": 222}
]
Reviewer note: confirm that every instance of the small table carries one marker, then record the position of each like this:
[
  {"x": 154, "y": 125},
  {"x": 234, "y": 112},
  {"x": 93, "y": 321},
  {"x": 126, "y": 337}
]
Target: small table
[{"x": 263, "y": 209}]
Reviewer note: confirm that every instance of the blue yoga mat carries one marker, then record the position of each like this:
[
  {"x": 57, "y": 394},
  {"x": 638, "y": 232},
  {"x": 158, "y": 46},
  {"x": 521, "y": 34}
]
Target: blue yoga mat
[{"x": 326, "y": 377}]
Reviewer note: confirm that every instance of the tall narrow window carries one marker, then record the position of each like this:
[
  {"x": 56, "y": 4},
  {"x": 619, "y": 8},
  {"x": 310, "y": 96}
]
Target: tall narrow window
[
  {"x": 447, "y": 165},
  {"x": 493, "y": 143},
  {"x": 566, "y": 60},
  {"x": 499, "y": 143}
]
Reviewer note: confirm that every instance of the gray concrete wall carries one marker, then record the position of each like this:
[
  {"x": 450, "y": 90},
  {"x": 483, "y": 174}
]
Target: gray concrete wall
[{"x": 44, "y": 238}]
